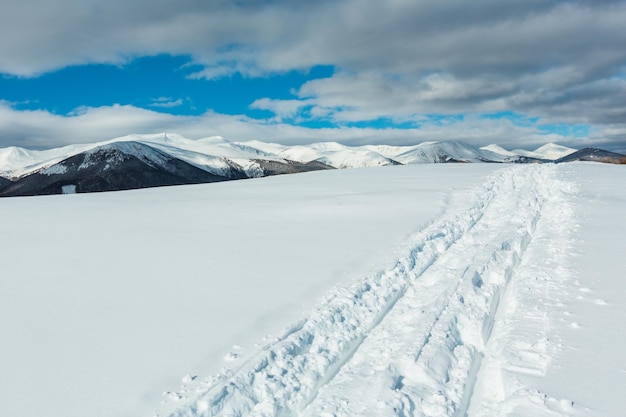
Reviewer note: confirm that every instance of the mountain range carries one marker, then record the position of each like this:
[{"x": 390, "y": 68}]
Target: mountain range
[{"x": 141, "y": 161}]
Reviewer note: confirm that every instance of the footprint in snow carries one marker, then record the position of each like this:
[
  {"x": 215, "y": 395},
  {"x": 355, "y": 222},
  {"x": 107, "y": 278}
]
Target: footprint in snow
[{"x": 189, "y": 378}]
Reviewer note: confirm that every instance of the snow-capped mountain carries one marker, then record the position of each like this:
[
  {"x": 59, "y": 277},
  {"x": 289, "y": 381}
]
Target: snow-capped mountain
[
  {"x": 594, "y": 155},
  {"x": 497, "y": 149},
  {"x": 453, "y": 151},
  {"x": 342, "y": 156},
  {"x": 116, "y": 166},
  {"x": 549, "y": 151},
  {"x": 337, "y": 155},
  {"x": 123, "y": 165},
  {"x": 139, "y": 161}
]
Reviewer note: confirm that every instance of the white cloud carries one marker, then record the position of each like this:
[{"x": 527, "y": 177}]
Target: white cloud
[
  {"x": 41, "y": 129},
  {"x": 166, "y": 102},
  {"x": 557, "y": 60},
  {"x": 283, "y": 109}
]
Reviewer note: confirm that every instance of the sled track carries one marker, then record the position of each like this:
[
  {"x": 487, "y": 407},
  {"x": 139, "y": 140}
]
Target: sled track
[{"x": 406, "y": 341}]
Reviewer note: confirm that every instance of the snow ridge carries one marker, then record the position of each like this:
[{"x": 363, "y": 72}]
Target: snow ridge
[{"x": 324, "y": 363}]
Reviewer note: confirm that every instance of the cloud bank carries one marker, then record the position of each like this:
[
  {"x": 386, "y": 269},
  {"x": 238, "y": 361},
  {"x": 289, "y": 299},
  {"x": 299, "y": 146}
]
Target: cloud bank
[
  {"x": 559, "y": 61},
  {"x": 40, "y": 129}
]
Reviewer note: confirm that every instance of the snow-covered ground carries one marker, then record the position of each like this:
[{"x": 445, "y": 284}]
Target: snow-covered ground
[{"x": 429, "y": 290}]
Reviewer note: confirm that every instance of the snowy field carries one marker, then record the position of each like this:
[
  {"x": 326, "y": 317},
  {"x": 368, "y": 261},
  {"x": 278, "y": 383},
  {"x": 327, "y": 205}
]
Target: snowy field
[{"x": 425, "y": 290}]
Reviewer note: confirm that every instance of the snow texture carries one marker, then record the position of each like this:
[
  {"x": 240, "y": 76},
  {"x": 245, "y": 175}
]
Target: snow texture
[
  {"x": 407, "y": 340},
  {"x": 408, "y": 291}
]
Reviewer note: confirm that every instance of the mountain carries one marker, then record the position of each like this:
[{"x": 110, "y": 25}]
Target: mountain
[
  {"x": 342, "y": 156},
  {"x": 140, "y": 161},
  {"x": 452, "y": 151},
  {"x": 497, "y": 149},
  {"x": 548, "y": 152},
  {"x": 137, "y": 162},
  {"x": 118, "y": 166},
  {"x": 4, "y": 182},
  {"x": 510, "y": 156},
  {"x": 272, "y": 167},
  {"x": 16, "y": 162},
  {"x": 336, "y": 155},
  {"x": 594, "y": 155}
]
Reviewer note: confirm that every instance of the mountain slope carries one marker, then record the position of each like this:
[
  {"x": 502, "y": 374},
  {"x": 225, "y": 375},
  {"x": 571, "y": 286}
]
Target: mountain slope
[
  {"x": 442, "y": 152},
  {"x": 549, "y": 152},
  {"x": 4, "y": 182},
  {"x": 499, "y": 150},
  {"x": 151, "y": 161},
  {"x": 118, "y": 166},
  {"x": 336, "y": 155},
  {"x": 553, "y": 151},
  {"x": 139, "y": 161},
  {"x": 594, "y": 155},
  {"x": 272, "y": 167},
  {"x": 17, "y": 162}
]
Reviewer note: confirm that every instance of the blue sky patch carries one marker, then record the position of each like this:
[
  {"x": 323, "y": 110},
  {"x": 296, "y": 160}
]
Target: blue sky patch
[
  {"x": 577, "y": 131},
  {"x": 516, "y": 118},
  {"x": 161, "y": 83}
]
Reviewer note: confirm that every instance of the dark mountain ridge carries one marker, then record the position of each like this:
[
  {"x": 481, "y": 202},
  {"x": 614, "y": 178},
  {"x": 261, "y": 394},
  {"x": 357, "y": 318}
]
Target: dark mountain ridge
[
  {"x": 594, "y": 155},
  {"x": 131, "y": 165},
  {"x": 126, "y": 166},
  {"x": 4, "y": 182}
]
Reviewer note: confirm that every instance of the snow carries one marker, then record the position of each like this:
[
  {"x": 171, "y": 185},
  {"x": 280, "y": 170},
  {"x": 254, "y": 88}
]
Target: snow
[
  {"x": 553, "y": 151},
  {"x": 498, "y": 149},
  {"x": 594, "y": 301},
  {"x": 111, "y": 298},
  {"x": 336, "y": 155},
  {"x": 549, "y": 151},
  {"x": 210, "y": 154},
  {"x": 426, "y": 290},
  {"x": 55, "y": 169},
  {"x": 16, "y": 162},
  {"x": 217, "y": 155},
  {"x": 69, "y": 189},
  {"x": 429, "y": 152}
]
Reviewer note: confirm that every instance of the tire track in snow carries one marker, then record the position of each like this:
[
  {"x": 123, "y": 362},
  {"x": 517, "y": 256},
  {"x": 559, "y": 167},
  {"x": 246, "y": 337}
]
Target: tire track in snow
[
  {"x": 424, "y": 357},
  {"x": 524, "y": 341},
  {"x": 286, "y": 376}
]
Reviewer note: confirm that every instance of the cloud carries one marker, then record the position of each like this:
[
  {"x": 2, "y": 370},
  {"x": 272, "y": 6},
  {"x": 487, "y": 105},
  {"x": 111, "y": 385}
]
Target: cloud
[
  {"x": 283, "y": 109},
  {"x": 166, "y": 102},
  {"x": 562, "y": 61},
  {"x": 464, "y": 38},
  {"x": 41, "y": 129},
  {"x": 350, "y": 97}
]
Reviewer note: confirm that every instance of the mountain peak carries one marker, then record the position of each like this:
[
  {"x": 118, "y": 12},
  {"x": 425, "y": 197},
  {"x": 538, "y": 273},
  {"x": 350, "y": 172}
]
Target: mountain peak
[
  {"x": 554, "y": 147},
  {"x": 139, "y": 161},
  {"x": 498, "y": 149}
]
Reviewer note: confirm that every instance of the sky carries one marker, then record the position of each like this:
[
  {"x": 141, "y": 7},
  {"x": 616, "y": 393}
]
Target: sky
[{"x": 519, "y": 73}]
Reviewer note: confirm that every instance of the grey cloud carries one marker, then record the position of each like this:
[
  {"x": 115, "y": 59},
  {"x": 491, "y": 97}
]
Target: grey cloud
[
  {"x": 397, "y": 36},
  {"x": 40, "y": 129},
  {"x": 558, "y": 60}
]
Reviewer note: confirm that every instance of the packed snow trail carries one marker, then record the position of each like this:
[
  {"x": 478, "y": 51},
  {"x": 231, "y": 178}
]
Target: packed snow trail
[
  {"x": 407, "y": 341},
  {"x": 524, "y": 338},
  {"x": 422, "y": 360}
]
